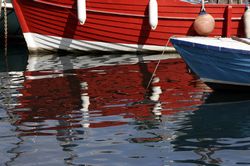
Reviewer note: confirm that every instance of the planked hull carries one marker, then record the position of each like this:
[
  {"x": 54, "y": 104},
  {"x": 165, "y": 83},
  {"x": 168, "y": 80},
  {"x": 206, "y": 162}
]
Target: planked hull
[{"x": 117, "y": 25}]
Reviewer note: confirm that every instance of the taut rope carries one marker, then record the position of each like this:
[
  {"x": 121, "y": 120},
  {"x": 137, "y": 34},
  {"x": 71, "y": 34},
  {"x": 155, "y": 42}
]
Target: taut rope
[{"x": 156, "y": 67}]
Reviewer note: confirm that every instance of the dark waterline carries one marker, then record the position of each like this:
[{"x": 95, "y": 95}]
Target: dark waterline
[{"x": 97, "y": 110}]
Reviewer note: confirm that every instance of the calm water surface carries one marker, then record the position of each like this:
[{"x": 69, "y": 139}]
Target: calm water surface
[{"x": 102, "y": 111}]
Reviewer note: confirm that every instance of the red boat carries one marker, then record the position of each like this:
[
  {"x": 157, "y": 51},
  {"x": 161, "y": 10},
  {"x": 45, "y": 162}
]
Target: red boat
[{"x": 117, "y": 25}]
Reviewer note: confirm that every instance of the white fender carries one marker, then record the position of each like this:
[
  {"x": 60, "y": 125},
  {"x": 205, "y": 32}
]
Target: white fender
[
  {"x": 81, "y": 11},
  {"x": 247, "y": 22},
  {"x": 153, "y": 14}
]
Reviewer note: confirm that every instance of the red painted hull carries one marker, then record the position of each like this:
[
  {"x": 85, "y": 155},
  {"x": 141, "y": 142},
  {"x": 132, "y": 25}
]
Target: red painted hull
[{"x": 121, "y": 21}]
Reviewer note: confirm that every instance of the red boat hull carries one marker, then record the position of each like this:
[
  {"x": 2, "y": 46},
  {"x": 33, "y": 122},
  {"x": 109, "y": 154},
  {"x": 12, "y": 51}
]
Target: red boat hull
[{"x": 117, "y": 24}]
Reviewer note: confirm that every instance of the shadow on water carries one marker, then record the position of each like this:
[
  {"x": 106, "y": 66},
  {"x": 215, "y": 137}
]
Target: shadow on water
[{"x": 17, "y": 55}]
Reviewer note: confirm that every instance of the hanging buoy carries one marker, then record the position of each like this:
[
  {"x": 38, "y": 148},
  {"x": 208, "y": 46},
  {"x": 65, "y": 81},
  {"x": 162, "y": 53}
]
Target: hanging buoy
[
  {"x": 153, "y": 14},
  {"x": 81, "y": 11},
  {"x": 204, "y": 23},
  {"x": 247, "y": 22}
]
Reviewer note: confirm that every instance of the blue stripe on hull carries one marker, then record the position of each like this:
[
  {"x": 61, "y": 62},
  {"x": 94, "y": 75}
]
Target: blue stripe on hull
[{"x": 218, "y": 65}]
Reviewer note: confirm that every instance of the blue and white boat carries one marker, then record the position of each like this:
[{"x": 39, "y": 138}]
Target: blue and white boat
[{"x": 222, "y": 63}]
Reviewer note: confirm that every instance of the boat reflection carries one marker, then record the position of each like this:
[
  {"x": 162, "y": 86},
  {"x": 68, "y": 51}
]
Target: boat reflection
[
  {"x": 232, "y": 112},
  {"x": 74, "y": 98},
  {"x": 220, "y": 124},
  {"x": 90, "y": 96},
  {"x": 81, "y": 109}
]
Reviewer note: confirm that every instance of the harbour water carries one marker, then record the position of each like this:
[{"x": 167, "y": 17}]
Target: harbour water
[{"x": 103, "y": 110}]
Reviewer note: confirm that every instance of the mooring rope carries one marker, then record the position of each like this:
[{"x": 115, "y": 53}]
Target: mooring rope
[
  {"x": 6, "y": 50},
  {"x": 0, "y": 8},
  {"x": 6, "y": 36},
  {"x": 5, "y": 28},
  {"x": 156, "y": 67}
]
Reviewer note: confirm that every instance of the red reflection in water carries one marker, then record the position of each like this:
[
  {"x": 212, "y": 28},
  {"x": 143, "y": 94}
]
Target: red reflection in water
[{"x": 81, "y": 95}]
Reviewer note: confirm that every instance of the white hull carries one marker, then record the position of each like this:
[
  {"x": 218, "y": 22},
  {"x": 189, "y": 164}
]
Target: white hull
[{"x": 42, "y": 43}]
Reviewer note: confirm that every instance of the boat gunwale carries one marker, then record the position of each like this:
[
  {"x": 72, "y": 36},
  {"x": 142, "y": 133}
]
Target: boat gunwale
[
  {"x": 176, "y": 41},
  {"x": 146, "y": 16},
  {"x": 185, "y": 4}
]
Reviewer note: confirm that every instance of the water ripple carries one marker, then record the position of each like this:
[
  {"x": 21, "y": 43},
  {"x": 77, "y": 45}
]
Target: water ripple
[{"x": 83, "y": 110}]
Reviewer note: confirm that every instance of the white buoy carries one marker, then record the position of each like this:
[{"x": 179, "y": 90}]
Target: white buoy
[
  {"x": 247, "y": 22},
  {"x": 153, "y": 14},
  {"x": 81, "y": 11}
]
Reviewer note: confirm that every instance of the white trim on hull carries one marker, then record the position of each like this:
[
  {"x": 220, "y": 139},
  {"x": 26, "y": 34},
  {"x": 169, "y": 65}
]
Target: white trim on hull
[
  {"x": 207, "y": 80},
  {"x": 41, "y": 43}
]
